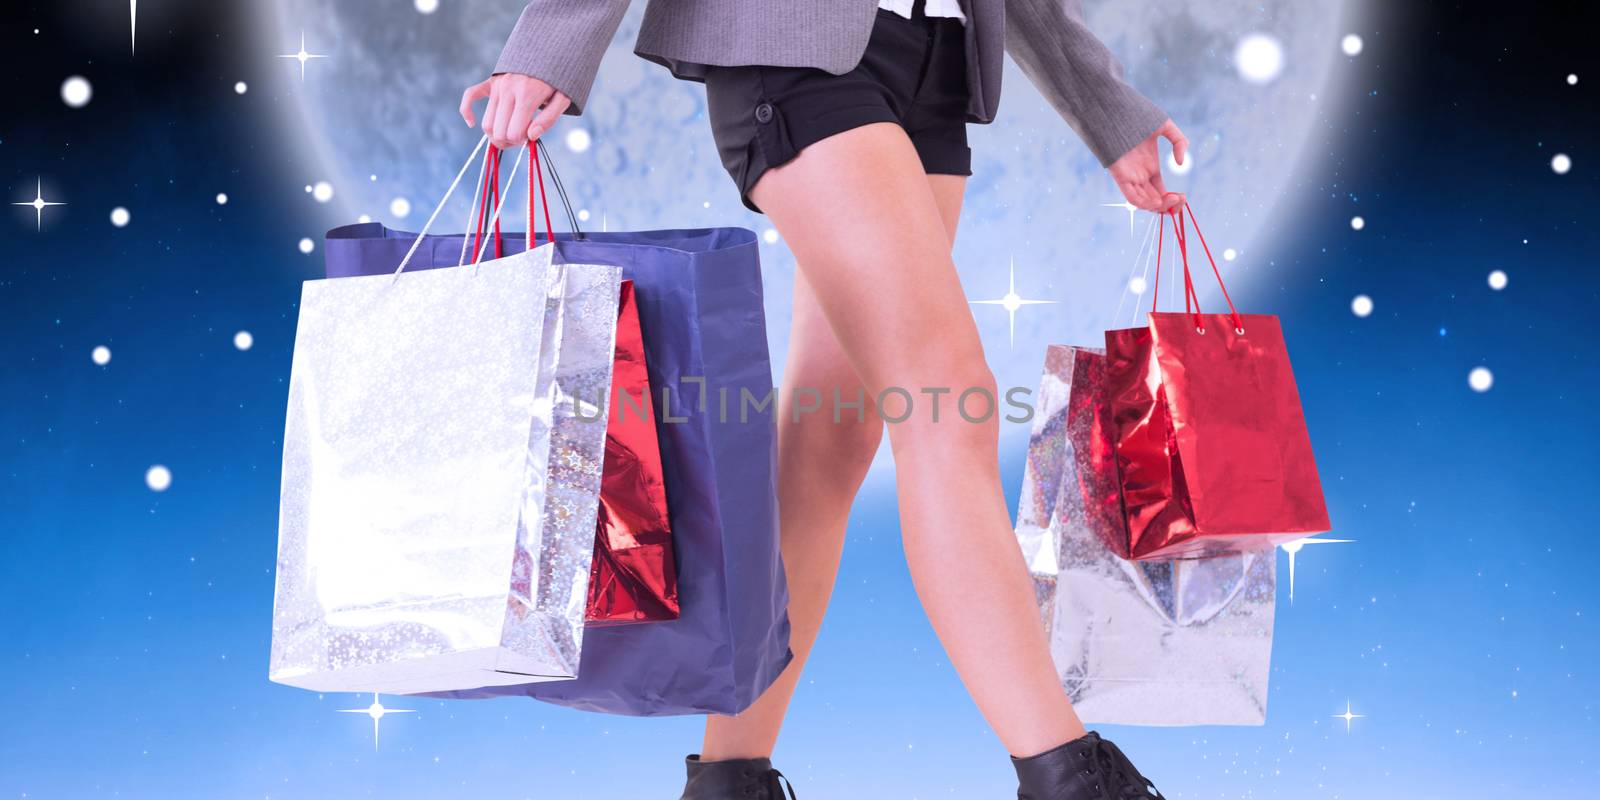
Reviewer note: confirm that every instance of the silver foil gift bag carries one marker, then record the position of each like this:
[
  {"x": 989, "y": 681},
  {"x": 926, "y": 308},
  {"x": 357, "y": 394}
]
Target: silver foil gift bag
[
  {"x": 441, "y": 469},
  {"x": 1179, "y": 642}
]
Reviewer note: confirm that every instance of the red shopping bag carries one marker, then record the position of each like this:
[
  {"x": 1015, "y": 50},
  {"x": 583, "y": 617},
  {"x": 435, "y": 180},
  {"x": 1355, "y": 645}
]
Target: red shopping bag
[
  {"x": 633, "y": 577},
  {"x": 1205, "y": 420}
]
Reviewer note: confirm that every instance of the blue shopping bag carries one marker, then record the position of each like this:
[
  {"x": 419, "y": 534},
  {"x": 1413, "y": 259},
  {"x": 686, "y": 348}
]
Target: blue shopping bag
[{"x": 700, "y": 307}]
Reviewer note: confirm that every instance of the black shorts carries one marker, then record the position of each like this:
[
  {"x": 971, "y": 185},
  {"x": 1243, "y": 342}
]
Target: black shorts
[{"x": 912, "y": 74}]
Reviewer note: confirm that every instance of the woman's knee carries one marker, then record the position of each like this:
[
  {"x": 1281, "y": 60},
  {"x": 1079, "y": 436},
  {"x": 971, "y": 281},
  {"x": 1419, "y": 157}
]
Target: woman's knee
[
  {"x": 962, "y": 412},
  {"x": 840, "y": 422}
]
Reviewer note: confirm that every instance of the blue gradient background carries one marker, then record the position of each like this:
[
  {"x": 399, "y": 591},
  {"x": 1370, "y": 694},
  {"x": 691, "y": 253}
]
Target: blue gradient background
[{"x": 1461, "y": 623}]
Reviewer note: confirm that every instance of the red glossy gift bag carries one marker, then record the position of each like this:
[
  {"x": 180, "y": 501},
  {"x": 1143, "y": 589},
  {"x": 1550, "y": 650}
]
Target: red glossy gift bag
[
  {"x": 1210, "y": 441},
  {"x": 634, "y": 577}
]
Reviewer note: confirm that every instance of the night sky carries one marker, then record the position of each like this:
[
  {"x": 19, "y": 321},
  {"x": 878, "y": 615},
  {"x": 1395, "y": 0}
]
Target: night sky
[{"x": 1460, "y": 624}]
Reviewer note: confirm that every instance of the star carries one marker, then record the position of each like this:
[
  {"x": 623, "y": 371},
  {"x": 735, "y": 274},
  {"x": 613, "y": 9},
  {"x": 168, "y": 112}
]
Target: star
[
  {"x": 1129, "y": 207},
  {"x": 1347, "y": 716},
  {"x": 376, "y": 711},
  {"x": 1012, "y": 301},
  {"x": 1294, "y": 547},
  {"x": 302, "y": 56},
  {"x": 133, "y": 26},
  {"x": 39, "y": 204}
]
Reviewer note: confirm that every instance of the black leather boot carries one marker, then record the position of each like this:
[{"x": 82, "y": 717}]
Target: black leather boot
[
  {"x": 1086, "y": 768},
  {"x": 734, "y": 779}
]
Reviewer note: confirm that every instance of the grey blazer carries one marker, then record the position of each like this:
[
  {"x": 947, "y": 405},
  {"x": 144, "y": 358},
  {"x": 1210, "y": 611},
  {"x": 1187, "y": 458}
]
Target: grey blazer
[{"x": 562, "y": 42}]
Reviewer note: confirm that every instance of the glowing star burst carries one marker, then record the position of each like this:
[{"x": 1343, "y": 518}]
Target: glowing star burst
[
  {"x": 1294, "y": 547},
  {"x": 133, "y": 26},
  {"x": 1012, "y": 301},
  {"x": 1347, "y": 716},
  {"x": 376, "y": 711},
  {"x": 39, "y": 204},
  {"x": 1128, "y": 207},
  {"x": 302, "y": 56}
]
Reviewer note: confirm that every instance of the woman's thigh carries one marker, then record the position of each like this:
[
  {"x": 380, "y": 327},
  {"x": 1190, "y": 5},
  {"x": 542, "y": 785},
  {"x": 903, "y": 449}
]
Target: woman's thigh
[
  {"x": 948, "y": 192},
  {"x": 815, "y": 357},
  {"x": 868, "y": 228}
]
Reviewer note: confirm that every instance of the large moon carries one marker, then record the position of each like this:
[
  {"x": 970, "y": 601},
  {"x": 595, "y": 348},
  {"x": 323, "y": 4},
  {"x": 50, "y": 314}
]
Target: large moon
[{"x": 383, "y": 103}]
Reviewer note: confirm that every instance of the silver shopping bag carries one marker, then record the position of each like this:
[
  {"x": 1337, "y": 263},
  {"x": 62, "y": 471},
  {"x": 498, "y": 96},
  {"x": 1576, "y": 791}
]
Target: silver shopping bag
[
  {"x": 1178, "y": 642},
  {"x": 441, "y": 470}
]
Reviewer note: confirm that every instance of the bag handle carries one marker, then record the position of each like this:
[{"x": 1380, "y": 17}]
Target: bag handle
[
  {"x": 494, "y": 156},
  {"x": 541, "y": 155},
  {"x": 500, "y": 206},
  {"x": 492, "y": 162},
  {"x": 472, "y": 210},
  {"x": 490, "y": 191},
  {"x": 561, "y": 191},
  {"x": 1191, "y": 299},
  {"x": 440, "y": 207}
]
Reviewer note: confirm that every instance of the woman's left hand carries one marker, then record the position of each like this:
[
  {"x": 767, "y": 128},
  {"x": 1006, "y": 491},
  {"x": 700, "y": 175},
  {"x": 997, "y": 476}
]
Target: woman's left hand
[{"x": 1138, "y": 172}]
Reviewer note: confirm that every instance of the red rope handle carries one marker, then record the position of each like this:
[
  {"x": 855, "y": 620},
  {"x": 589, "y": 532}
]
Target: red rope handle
[
  {"x": 491, "y": 196},
  {"x": 491, "y": 193},
  {"x": 491, "y": 189},
  {"x": 1238, "y": 324},
  {"x": 499, "y": 245},
  {"x": 1191, "y": 300},
  {"x": 1191, "y": 297},
  {"x": 489, "y": 163},
  {"x": 1161, "y": 233},
  {"x": 537, "y": 175}
]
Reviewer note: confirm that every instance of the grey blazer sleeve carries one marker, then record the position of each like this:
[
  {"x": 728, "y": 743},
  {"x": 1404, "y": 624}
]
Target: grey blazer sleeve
[
  {"x": 1079, "y": 76},
  {"x": 561, "y": 43}
]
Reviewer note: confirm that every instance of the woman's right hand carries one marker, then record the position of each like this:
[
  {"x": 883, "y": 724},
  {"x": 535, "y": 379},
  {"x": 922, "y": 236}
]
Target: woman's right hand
[{"x": 521, "y": 108}]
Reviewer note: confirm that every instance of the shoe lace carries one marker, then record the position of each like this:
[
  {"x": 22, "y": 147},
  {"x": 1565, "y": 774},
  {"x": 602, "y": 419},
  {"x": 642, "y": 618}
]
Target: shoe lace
[
  {"x": 776, "y": 785},
  {"x": 781, "y": 782},
  {"x": 1130, "y": 784}
]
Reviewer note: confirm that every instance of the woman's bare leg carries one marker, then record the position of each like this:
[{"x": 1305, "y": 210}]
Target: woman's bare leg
[
  {"x": 821, "y": 465},
  {"x": 866, "y": 230}
]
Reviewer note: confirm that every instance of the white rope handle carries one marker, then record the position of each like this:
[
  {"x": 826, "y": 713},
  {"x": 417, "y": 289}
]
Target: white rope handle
[
  {"x": 1150, "y": 257},
  {"x": 440, "y": 207},
  {"x": 472, "y": 212},
  {"x": 1141, "y": 256}
]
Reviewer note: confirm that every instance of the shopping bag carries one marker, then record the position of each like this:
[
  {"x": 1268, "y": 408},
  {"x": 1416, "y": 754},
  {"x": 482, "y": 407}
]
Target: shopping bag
[
  {"x": 1210, "y": 440},
  {"x": 441, "y": 475},
  {"x": 634, "y": 577},
  {"x": 1180, "y": 642},
  {"x": 699, "y": 297}
]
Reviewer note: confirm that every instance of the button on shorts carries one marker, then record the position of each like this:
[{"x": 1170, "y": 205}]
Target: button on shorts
[{"x": 913, "y": 74}]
